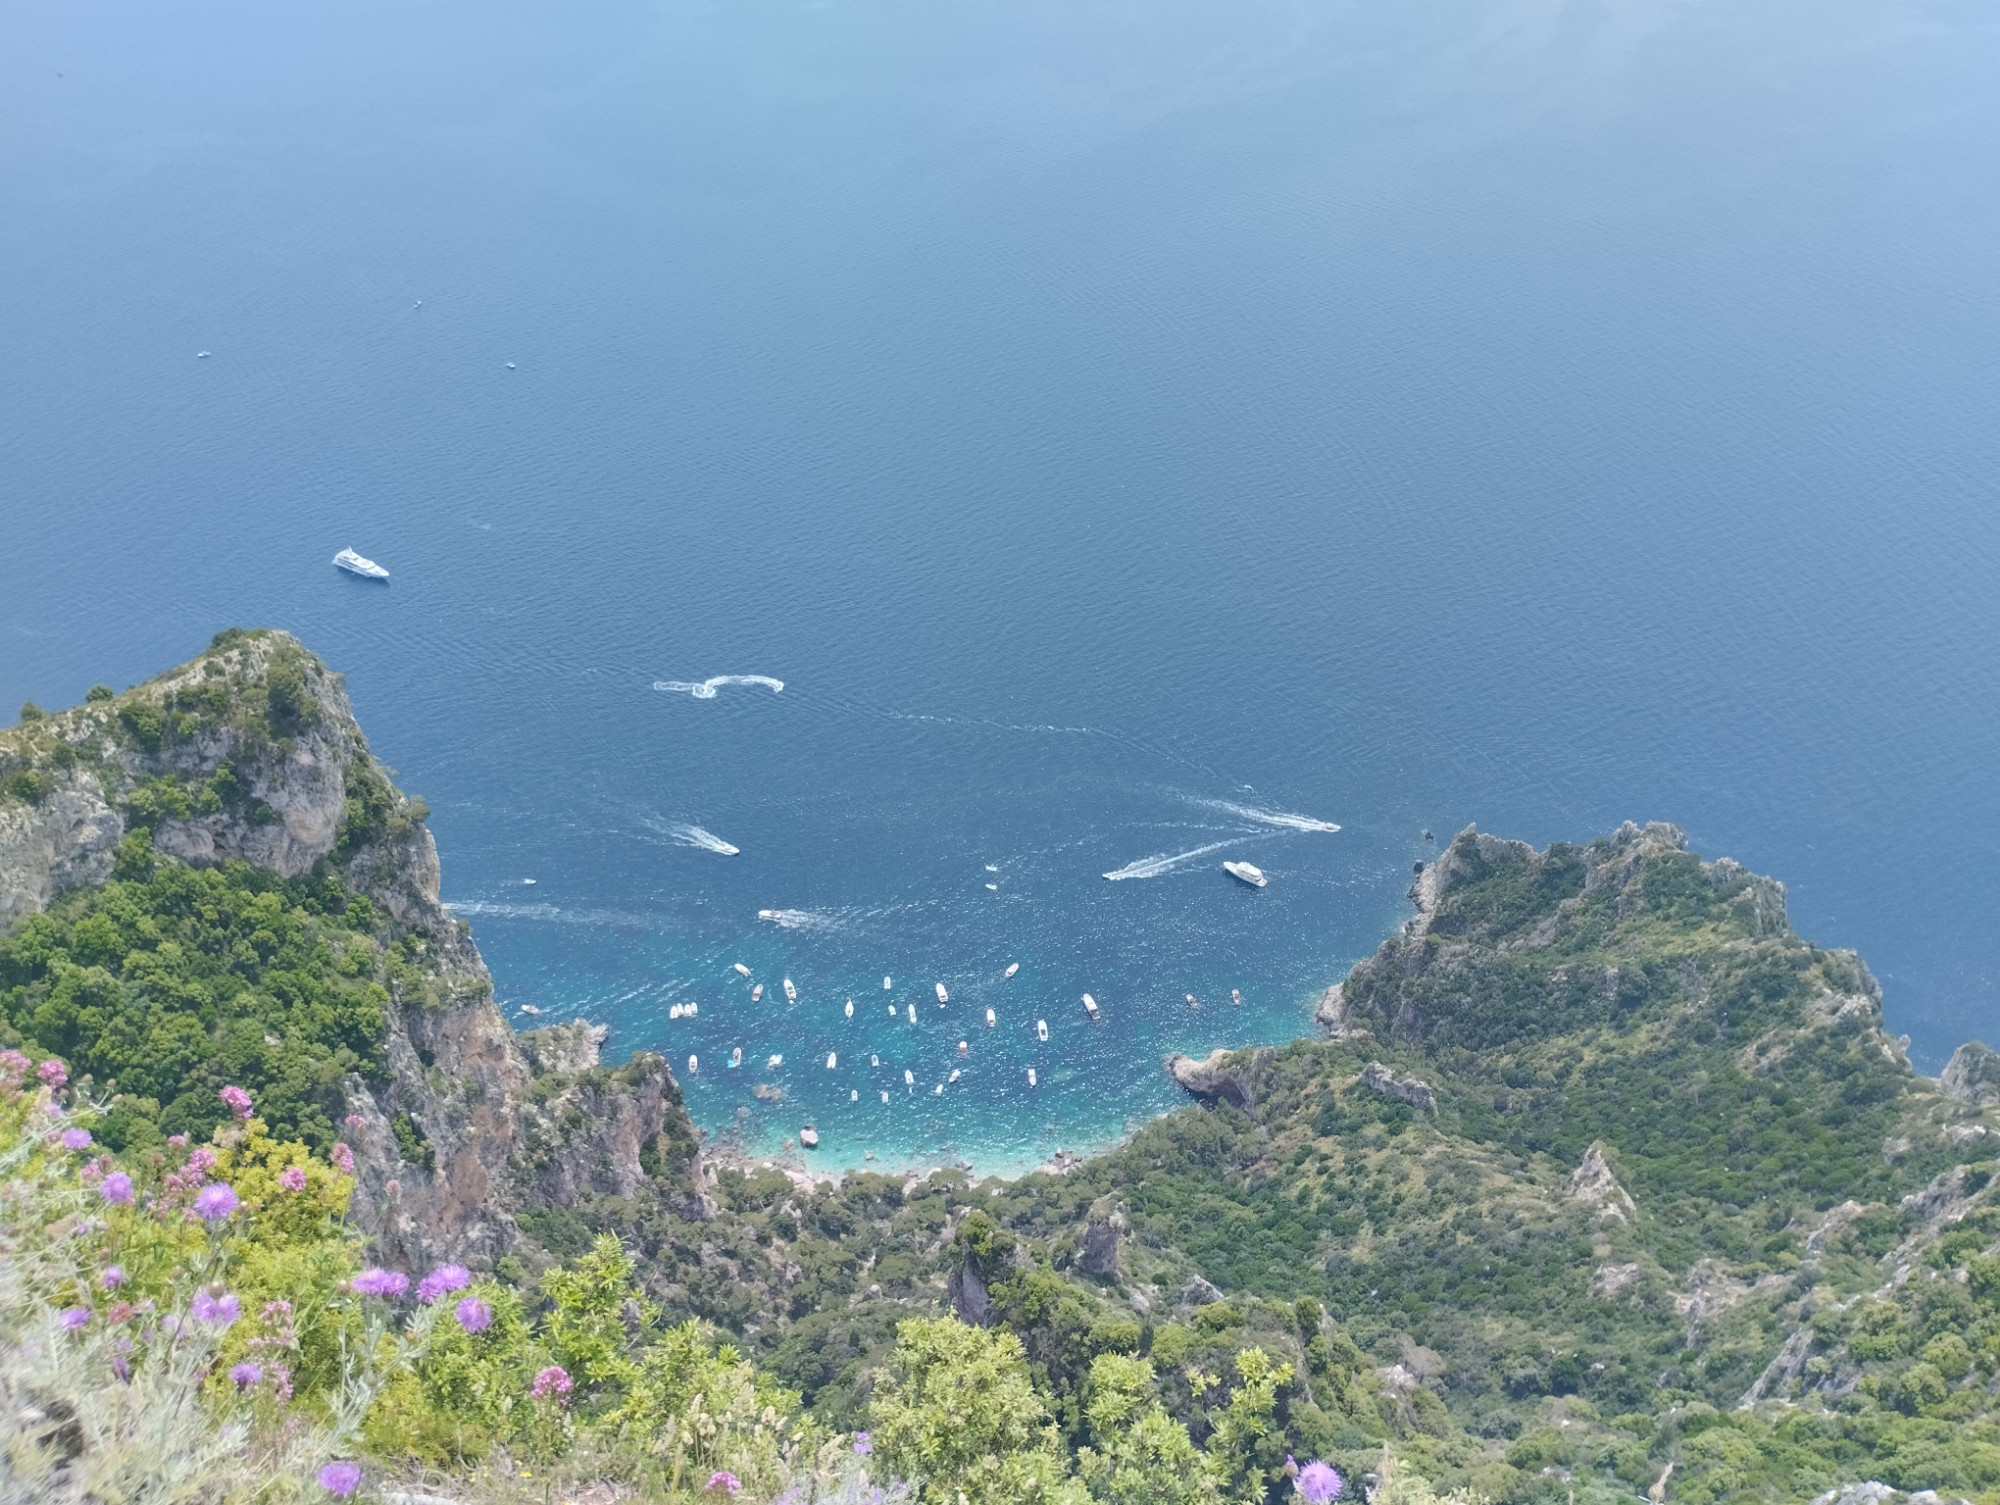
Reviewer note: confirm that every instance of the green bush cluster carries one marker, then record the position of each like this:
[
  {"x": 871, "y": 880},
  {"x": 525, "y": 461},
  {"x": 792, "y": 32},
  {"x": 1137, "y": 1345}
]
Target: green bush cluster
[{"x": 171, "y": 982}]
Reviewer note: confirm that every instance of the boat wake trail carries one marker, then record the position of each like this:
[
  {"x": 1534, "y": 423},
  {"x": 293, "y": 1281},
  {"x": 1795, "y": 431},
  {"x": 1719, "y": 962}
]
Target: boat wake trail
[
  {"x": 704, "y": 689},
  {"x": 800, "y": 919},
  {"x": 1152, "y": 867},
  {"x": 694, "y": 836},
  {"x": 1279, "y": 818}
]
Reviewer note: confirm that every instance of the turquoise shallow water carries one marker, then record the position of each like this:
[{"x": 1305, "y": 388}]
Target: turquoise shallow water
[{"x": 1097, "y": 415}]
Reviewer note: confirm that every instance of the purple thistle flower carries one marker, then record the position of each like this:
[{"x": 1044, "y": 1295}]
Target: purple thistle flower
[
  {"x": 388, "y": 1284},
  {"x": 246, "y": 1374},
  {"x": 292, "y": 1178},
  {"x": 553, "y": 1380},
  {"x": 1319, "y": 1482},
  {"x": 215, "y": 1201},
  {"x": 121, "y": 1367},
  {"x": 217, "y": 1311},
  {"x": 53, "y": 1072},
  {"x": 474, "y": 1315},
  {"x": 76, "y": 1139},
  {"x": 442, "y": 1282},
  {"x": 236, "y": 1100},
  {"x": 73, "y": 1317},
  {"x": 862, "y": 1445},
  {"x": 113, "y": 1276},
  {"x": 116, "y": 1189},
  {"x": 725, "y": 1481},
  {"x": 340, "y": 1479}
]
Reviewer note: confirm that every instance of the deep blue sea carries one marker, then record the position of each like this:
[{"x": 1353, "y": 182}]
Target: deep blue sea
[{"x": 1119, "y": 424}]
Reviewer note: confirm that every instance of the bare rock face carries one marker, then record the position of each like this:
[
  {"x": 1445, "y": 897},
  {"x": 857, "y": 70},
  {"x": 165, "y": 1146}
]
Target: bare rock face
[
  {"x": 1101, "y": 1234},
  {"x": 251, "y": 753},
  {"x": 1378, "y": 1078},
  {"x": 1594, "y": 1185},
  {"x": 1972, "y": 1076},
  {"x": 1223, "y": 1076}
]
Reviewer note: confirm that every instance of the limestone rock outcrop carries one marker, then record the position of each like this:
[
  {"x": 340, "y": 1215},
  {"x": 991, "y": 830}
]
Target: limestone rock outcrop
[{"x": 251, "y": 753}]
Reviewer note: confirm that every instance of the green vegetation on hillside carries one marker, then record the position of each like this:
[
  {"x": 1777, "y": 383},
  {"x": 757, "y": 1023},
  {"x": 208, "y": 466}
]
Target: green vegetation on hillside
[{"x": 171, "y": 982}]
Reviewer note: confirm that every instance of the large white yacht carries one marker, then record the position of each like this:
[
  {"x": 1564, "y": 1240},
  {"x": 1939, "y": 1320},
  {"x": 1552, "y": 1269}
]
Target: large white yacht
[
  {"x": 1245, "y": 872},
  {"x": 354, "y": 564}
]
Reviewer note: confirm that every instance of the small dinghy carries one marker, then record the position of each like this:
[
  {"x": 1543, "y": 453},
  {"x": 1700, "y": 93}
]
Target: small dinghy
[
  {"x": 688, "y": 1011},
  {"x": 529, "y": 1008},
  {"x": 913, "y": 1013},
  {"x": 743, "y": 969},
  {"x": 1042, "y": 1029},
  {"x": 1012, "y": 968},
  {"x": 954, "y": 1075},
  {"x": 809, "y": 1137},
  {"x": 887, "y": 984},
  {"x": 909, "y": 1078},
  {"x": 1236, "y": 996},
  {"x": 1191, "y": 1002},
  {"x": 850, "y": 1008},
  {"x": 736, "y": 1058},
  {"x": 694, "y": 1065},
  {"x": 791, "y": 993},
  {"x": 943, "y": 996},
  {"x": 885, "y": 1097},
  {"x": 774, "y": 1063},
  {"x": 674, "y": 1011},
  {"x": 962, "y": 1050},
  {"x": 854, "y": 1096},
  {"x": 874, "y": 1060},
  {"x": 989, "y": 1018},
  {"x": 757, "y": 993},
  {"x": 832, "y": 1059},
  {"x": 1031, "y": 1076},
  {"x": 1090, "y": 1005},
  {"x": 938, "y": 1091}
]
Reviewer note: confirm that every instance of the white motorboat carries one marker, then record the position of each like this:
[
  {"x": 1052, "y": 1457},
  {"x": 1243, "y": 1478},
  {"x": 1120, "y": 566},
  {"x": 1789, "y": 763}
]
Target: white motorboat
[
  {"x": 1031, "y": 1076},
  {"x": 774, "y": 1063},
  {"x": 1244, "y": 872},
  {"x": 745, "y": 971},
  {"x": 909, "y": 1077},
  {"x": 736, "y": 1058},
  {"x": 964, "y": 1049},
  {"x": 1012, "y": 968},
  {"x": 809, "y": 1137},
  {"x": 954, "y": 1075},
  {"x": 913, "y": 1013},
  {"x": 832, "y": 1059},
  {"x": 694, "y": 1065},
  {"x": 887, "y": 984},
  {"x": 529, "y": 1008},
  {"x": 791, "y": 993},
  {"x": 989, "y": 1018},
  {"x": 938, "y": 1090},
  {"x": 674, "y": 1011},
  {"x": 850, "y": 1008},
  {"x": 757, "y": 993},
  {"x": 1090, "y": 1005},
  {"x": 1042, "y": 1029},
  {"x": 1236, "y": 995},
  {"x": 354, "y": 564},
  {"x": 943, "y": 996}
]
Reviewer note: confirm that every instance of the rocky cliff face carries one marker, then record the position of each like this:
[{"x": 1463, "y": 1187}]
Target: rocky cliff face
[{"x": 251, "y": 752}]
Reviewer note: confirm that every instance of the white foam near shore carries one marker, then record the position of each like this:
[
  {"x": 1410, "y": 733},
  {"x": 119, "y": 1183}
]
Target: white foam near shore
[
  {"x": 704, "y": 689},
  {"x": 1152, "y": 867},
  {"x": 1283, "y": 819}
]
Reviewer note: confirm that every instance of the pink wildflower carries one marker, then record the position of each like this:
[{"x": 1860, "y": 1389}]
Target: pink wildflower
[
  {"x": 343, "y": 1159},
  {"x": 292, "y": 1178},
  {"x": 725, "y": 1481},
  {"x": 553, "y": 1380},
  {"x": 388, "y": 1284},
  {"x": 236, "y": 1100},
  {"x": 52, "y": 1072},
  {"x": 442, "y": 1282},
  {"x": 216, "y": 1201}
]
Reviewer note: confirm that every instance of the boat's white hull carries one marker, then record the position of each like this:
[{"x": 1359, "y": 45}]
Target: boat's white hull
[{"x": 1243, "y": 872}]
